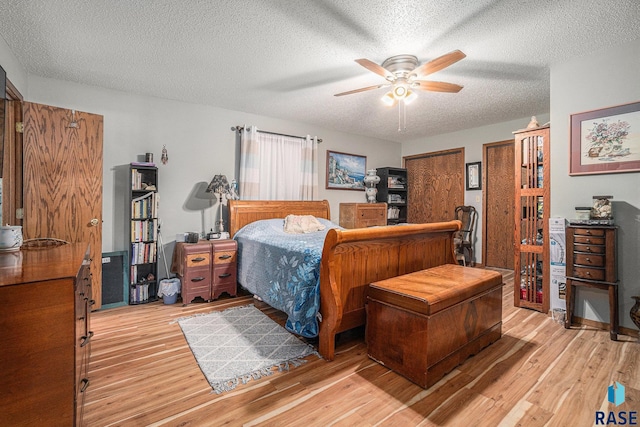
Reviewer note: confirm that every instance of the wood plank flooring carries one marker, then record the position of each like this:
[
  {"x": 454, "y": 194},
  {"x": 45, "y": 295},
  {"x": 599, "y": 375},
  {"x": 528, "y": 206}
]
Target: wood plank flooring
[{"x": 143, "y": 373}]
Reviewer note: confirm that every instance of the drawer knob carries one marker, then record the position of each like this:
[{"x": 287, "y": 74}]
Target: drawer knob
[
  {"x": 588, "y": 273},
  {"x": 197, "y": 279},
  {"x": 199, "y": 259},
  {"x": 224, "y": 256},
  {"x": 222, "y": 276},
  {"x": 588, "y": 259},
  {"x": 588, "y": 249}
]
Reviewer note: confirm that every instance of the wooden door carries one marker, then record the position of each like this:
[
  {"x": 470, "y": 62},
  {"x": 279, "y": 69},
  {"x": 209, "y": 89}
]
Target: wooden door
[
  {"x": 63, "y": 180},
  {"x": 497, "y": 248},
  {"x": 435, "y": 184}
]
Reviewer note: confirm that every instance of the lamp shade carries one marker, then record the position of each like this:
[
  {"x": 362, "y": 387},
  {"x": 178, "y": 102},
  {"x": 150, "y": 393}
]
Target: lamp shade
[{"x": 219, "y": 185}]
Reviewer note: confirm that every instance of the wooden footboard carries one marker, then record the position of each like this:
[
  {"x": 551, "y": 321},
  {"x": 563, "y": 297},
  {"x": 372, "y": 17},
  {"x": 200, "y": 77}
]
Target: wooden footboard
[{"x": 351, "y": 259}]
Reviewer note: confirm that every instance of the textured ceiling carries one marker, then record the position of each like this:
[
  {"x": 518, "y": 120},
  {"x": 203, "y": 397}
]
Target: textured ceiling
[{"x": 286, "y": 58}]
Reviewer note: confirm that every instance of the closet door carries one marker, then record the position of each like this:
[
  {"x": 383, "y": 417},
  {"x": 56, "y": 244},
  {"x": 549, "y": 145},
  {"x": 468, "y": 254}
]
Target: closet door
[
  {"x": 63, "y": 180},
  {"x": 436, "y": 185},
  {"x": 498, "y": 205}
]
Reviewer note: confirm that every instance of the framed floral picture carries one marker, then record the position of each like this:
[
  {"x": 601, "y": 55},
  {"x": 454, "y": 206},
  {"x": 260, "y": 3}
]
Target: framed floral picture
[
  {"x": 606, "y": 140},
  {"x": 345, "y": 171}
]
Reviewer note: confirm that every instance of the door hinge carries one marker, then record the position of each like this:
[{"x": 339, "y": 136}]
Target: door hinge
[
  {"x": 19, "y": 127},
  {"x": 20, "y": 213}
]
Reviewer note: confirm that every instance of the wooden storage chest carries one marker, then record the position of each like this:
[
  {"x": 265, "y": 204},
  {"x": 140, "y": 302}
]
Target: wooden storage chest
[{"x": 423, "y": 324}]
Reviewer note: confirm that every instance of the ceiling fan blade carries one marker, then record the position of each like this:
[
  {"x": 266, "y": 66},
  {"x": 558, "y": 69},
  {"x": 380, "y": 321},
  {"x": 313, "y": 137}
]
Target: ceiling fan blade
[
  {"x": 438, "y": 86},
  {"x": 362, "y": 89},
  {"x": 372, "y": 66},
  {"x": 439, "y": 63}
]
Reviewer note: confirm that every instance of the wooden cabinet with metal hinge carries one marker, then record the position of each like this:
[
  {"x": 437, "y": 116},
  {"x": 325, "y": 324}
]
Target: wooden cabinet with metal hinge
[{"x": 531, "y": 233}]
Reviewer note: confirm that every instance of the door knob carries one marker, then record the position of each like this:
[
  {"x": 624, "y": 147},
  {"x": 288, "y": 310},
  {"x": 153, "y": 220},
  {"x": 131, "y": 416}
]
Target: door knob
[{"x": 93, "y": 222}]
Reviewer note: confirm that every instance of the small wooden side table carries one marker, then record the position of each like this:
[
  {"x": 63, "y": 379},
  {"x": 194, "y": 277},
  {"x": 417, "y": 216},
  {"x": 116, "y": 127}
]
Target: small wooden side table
[
  {"x": 206, "y": 269},
  {"x": 592, "y": 263}
]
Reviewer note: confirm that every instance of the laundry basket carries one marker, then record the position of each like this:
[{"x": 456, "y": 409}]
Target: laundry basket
[{"x": 169, "y": 290}]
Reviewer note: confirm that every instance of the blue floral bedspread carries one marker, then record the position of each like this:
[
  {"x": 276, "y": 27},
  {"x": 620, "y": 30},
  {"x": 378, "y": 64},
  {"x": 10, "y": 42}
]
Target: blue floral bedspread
[{"x": 284, "y": 270}]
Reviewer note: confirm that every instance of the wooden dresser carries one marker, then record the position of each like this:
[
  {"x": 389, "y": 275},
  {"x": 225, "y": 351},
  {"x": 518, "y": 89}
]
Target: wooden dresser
[
  {"x": 206, "y": 269},
  {"x": 361, "y": 215},
  {"x": 45, "y": 304},
  {"x": 592, "y": 262}
]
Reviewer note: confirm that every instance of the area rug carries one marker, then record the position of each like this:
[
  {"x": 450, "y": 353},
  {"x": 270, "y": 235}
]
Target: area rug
[{"x": 239, "y": 344}]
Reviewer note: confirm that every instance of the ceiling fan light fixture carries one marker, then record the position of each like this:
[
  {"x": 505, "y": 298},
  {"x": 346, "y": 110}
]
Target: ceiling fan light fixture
[
  {"x": 411, "y": 96},
  {"x": 388, "y": 99},
  {"x": 399, "y": 91}
]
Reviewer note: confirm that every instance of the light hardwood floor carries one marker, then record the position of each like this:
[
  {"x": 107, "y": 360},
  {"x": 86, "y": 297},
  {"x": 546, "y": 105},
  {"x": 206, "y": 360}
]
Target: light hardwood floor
[{"x": 143, "y": 373}]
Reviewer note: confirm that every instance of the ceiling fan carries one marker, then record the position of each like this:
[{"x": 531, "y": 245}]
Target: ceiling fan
[{"x": 403, "y": 75}]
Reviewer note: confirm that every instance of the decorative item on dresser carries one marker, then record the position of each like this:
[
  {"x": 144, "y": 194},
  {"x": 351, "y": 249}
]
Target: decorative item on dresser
[
  {"x": 370, "y": 181},
  {"x": 143, "y": 233},
  {"x": 46, "y": 346},
  {"x": 392, "y": 190},
  {"x": 361, "y": 215},
  {"x": 592, "y": 263},
  {"x": 531, "y": 237},
  {"x": 206, "y": 269}
]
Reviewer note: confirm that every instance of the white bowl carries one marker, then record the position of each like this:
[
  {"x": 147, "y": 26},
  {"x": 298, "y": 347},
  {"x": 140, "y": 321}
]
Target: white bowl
[{"x": 10, "y": 237}]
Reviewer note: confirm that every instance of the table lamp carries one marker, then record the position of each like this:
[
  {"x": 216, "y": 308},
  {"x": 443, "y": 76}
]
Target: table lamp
[{"x": 220, "y": 186}]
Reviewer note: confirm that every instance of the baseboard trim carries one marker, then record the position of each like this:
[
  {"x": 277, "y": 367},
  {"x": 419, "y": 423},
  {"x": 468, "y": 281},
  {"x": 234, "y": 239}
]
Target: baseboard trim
[{"x": 601, "y": 325}]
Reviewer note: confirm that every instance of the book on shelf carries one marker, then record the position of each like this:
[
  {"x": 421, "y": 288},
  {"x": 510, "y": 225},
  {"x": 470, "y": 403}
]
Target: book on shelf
[{"x": 145, "y": 206}]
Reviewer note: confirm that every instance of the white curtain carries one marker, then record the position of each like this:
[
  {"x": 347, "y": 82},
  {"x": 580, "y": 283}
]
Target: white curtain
[{"x": 277, "y": 167}]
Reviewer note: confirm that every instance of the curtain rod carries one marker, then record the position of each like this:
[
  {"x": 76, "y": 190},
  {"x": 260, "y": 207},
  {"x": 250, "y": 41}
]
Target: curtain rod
[{"x": 239, "y": 128}]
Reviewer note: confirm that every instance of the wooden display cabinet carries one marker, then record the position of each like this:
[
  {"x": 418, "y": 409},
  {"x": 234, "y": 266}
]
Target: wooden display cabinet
[{"x": 531, "y": 237}]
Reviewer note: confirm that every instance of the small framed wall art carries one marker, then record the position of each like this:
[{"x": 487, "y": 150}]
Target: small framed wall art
[
  {"x": 474, "y": 176},
  {"x": 345, "y": 171},
  {"x": 605, "y": 140}
]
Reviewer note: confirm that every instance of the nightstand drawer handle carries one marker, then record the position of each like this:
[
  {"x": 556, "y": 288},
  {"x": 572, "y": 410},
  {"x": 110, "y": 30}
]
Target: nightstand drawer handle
[
  {"x": 588, "y": 273},
  {"x": 222, "y": 276},
  {"x": 224, "y": 257},
  {"x": 85, "y": 385},
  {"x": 197, "y": 279},
  {"x": 199, "y": 259},
  {"x": 588, "y": 259}
]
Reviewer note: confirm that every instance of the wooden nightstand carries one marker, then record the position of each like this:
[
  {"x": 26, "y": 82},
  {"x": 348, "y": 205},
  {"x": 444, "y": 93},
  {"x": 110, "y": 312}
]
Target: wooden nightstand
[
  {"x": 206, "y": 269},
  {"x": 361, "y": 215}
]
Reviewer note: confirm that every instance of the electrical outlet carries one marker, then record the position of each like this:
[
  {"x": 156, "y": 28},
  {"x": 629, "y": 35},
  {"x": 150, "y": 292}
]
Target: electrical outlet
[{"x": 478, "y": 199}]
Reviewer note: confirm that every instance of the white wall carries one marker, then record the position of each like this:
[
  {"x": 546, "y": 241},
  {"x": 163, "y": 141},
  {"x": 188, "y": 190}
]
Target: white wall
[
  {"x": 472, "y": 141},
  {"x": 599, "y": 80},
  {"x": 200, "y": 144},
  {"x": 15, "y": 71}
]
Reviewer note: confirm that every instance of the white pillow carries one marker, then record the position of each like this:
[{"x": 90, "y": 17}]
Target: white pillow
[{"x": 299, "y": 224}]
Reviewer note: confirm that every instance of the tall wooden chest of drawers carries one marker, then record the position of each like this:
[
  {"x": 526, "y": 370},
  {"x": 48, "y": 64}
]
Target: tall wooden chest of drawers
[
  {"x": 206, "y": 269},
  {"x": 45, "y": 301},
  {"x": 592, "y": 262},
  {"x": 361, "y": 215}
]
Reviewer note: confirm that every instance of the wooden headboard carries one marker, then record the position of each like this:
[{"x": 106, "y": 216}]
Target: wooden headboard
[{"x": 243, "y": 212}]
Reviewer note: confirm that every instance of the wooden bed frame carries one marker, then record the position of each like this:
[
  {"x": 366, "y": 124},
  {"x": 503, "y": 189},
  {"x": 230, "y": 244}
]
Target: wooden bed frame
[{"x": 351, "y": 259}]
